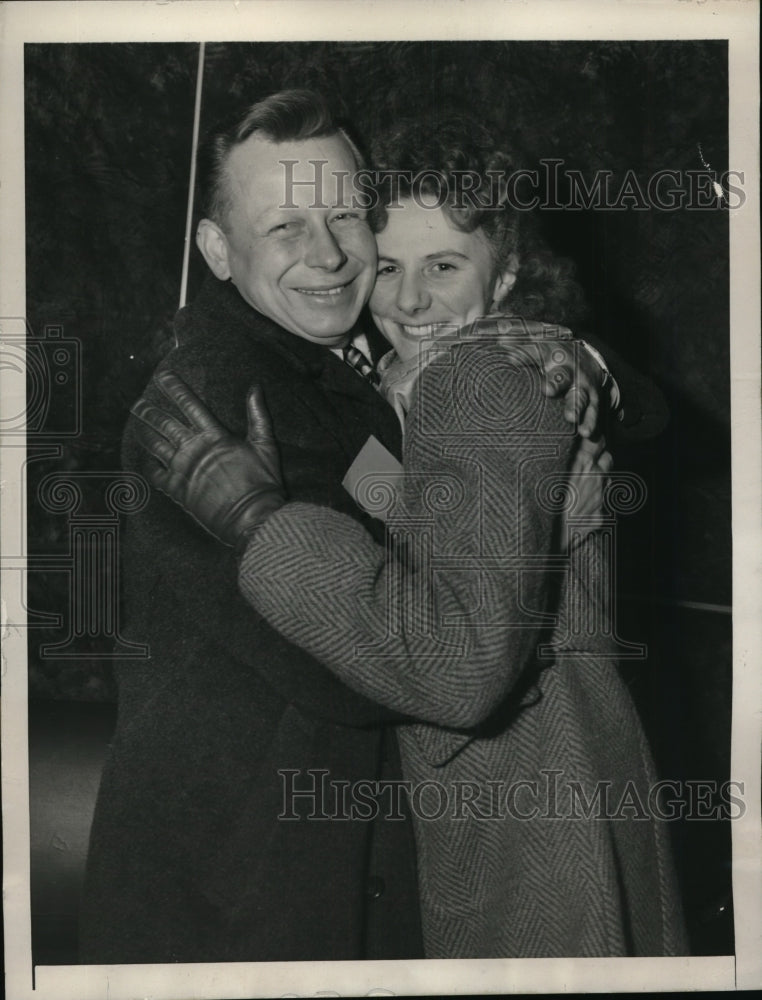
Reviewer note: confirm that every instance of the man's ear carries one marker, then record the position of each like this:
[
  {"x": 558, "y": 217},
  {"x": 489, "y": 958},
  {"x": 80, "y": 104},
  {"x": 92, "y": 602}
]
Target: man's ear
[
  {"x": 505, "y": 281},
  {"x": 213, "y": 245}
]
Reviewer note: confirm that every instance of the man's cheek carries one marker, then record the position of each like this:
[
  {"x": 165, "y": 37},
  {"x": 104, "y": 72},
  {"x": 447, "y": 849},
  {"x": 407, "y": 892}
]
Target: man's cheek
[{"x": 362, "y": 244}]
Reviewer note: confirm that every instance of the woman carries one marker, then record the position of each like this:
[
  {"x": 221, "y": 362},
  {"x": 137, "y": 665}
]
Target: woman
[{"x": 467, "y": 620}]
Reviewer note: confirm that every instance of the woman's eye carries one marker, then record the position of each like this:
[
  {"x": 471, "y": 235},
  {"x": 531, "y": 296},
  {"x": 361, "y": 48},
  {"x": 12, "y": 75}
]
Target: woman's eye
[{"x": 347, "y": 217}]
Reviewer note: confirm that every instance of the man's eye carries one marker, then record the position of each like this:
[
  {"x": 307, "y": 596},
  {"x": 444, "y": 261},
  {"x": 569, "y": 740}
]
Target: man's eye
[
  {"x": 386, "y": 270},
  {"x": 286, "y": 228},
  {"x": 442, "y": 266}
]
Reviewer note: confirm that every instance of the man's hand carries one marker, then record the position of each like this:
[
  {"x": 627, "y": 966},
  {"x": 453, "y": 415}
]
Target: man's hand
[
  {"x": 569, "y": 370},
  {"x": 572, "y": 373},
  {"x": 228, "y": 485},
  {"x": 587, "y": 480}
]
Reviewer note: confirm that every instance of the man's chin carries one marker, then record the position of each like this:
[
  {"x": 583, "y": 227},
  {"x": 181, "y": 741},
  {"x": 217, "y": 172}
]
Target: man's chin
[
  {"x": 330, "y": 330},
  {"x": 333, "y": 335}
]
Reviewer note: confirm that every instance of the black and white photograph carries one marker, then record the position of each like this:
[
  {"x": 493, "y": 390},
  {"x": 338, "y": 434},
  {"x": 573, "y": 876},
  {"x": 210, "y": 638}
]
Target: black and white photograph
[{"x": 381, "y": 498}]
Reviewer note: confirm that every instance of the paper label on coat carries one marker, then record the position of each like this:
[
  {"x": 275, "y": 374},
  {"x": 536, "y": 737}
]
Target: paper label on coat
[{"x": 373, "y": 478}]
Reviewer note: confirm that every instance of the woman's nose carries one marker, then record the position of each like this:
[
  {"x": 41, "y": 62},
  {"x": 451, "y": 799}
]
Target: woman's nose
[
  {"x": 412, "y": 295},
  {"x": 323, "y": 251}
]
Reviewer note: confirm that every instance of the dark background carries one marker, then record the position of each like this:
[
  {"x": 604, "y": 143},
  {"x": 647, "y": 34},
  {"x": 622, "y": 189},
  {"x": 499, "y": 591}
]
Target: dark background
[{"x": 108, "y": 138}]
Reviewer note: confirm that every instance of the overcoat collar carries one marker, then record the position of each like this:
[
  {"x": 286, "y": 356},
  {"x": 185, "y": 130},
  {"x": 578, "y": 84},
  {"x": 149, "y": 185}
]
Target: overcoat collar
[
  {"x": 219, "y": 310},
  {"x": 221, "y": 301}
]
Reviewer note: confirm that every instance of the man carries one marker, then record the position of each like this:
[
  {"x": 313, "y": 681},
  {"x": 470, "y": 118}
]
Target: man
[{"x": 189, "y": 860}]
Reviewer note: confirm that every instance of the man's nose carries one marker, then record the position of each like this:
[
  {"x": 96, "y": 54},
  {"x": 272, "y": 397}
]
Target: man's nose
[
  {"x": 412, "y": 294},
  {"x": 323, "y": 250}
]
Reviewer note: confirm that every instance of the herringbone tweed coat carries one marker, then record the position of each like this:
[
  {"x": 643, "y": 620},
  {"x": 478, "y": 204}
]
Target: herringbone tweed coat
[{"x": 530, "y": 778}]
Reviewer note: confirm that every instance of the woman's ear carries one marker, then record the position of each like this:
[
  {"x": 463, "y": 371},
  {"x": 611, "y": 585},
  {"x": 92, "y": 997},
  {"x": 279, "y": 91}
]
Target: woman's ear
[
  {"x": 505, "y": 281},
  {"x": 213, "y": 245}
]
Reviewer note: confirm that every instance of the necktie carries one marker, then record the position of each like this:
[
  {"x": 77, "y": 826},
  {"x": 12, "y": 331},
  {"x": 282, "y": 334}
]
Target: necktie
[{"x": 357, "y": 360}]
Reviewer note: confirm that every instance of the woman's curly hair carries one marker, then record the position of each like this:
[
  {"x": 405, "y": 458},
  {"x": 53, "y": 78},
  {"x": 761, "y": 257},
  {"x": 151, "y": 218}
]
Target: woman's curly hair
[{"x": 454, "y": 162}]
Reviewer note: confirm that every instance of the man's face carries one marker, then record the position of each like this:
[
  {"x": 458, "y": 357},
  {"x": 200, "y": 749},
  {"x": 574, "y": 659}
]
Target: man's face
[{"x": 311, "y": 269}]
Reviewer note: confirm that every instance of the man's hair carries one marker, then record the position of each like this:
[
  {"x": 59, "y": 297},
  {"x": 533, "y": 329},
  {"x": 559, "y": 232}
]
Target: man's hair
[
  {"x": 428, "y": 156},
  {"x": 288, "y": 116}
]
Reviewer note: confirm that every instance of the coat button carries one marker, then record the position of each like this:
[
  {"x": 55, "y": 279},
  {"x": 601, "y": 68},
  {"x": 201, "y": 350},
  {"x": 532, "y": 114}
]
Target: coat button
[{"x": 375, "y": 887}]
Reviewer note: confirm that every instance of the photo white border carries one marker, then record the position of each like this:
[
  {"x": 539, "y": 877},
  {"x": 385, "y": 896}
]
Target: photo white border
[{"x": 348, "y": 20}]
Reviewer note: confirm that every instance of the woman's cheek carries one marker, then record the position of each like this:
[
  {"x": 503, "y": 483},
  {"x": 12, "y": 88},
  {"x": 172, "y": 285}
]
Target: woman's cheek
[{"x": 379, "y": 302}]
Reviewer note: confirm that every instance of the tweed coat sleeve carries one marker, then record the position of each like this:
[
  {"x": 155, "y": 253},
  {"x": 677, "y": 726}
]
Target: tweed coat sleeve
[{"x": 443, "y": 621}]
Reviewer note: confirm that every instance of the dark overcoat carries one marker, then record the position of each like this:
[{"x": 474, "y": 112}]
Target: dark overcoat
[{"x": 189, "y": 860}]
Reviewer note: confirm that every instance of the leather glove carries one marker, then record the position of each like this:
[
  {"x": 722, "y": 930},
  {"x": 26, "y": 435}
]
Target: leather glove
[{"x": 230, "y": 486}]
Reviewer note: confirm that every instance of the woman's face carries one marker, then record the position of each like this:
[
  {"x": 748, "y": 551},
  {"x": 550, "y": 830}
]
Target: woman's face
[{"x": 432, "y": 276}]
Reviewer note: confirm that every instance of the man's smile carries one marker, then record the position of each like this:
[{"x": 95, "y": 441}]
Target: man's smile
[{"x": 329, "y": 292}]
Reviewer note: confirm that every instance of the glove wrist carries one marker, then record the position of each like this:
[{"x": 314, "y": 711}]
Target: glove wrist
[{"x": 249, "y": 514}]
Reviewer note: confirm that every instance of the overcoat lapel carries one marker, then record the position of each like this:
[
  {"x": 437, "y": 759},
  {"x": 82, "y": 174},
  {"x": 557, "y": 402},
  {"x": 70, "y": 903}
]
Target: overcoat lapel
[
  {"x": 352, "y": 398},
  {"x": 339, "y": 391}
]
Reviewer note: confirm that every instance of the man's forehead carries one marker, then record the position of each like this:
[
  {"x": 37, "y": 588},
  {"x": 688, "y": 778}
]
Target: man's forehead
[{"x": 275, "y": 161}]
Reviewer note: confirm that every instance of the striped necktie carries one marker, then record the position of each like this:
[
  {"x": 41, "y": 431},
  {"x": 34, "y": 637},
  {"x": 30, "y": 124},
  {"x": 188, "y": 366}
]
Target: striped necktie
[{"x": 357, "y": 360}]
